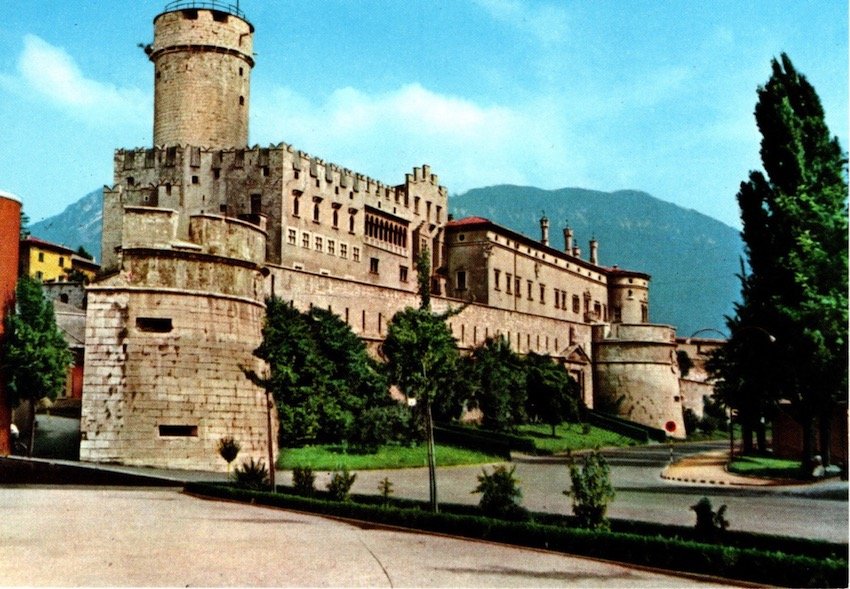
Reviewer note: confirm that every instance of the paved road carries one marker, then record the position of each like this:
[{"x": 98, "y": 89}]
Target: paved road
[
  {"x": 803, "y": 511},
  {"x": 141, "y": 537}
]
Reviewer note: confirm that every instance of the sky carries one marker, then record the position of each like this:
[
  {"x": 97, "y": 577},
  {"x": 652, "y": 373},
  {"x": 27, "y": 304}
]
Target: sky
[{"x": 599, "y": 94}]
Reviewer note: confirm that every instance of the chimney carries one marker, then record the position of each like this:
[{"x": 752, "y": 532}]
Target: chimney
[
  {"x": 594, "y": 251},
  {"x": 568, "y": 240},
  {"x": 544, "y": 230},
  {"x": 576, "y": 252}
]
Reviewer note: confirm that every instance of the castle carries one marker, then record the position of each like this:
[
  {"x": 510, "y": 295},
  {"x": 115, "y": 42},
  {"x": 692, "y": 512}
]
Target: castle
[{"x": 200, "y": 228}]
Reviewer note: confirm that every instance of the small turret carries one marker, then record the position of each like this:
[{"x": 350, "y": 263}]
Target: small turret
[
  {"x": 568, "y": 240},
  {"x": 544, "y": 230},
  {"x": 594, "y": 251}
]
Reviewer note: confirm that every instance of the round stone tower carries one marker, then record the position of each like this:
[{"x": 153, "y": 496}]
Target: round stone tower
[{"x": 202, "y": 59}]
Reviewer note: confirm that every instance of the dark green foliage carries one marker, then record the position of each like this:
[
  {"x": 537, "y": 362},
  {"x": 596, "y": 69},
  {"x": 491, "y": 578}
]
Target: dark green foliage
[
  {"x": 591, "y": 491},
  {"x": 685, "y": 363},
  {"x": 323, "y": 380},
  {"x": 25, "y": 225},
  {"x": 34, "y": 356},
  {"x": 498, "y": 384},
  {"x": 304, "y": 480},
  {"x": 252, "y": 475},
  {"x": 691, "y": 421},
  {"x": 500, "y": 494},
  {"x": 228, "y": 448},
  {"x": 339, "y": 487},
  {"x": 375, "y": 426},
  {"x": 83, "y": 253},
  {"x": 552, "y": 396},
  {"x": 789, "y": 333},
  {"x": 709, "y": 524},
  {"x": 667, "y": 551}
]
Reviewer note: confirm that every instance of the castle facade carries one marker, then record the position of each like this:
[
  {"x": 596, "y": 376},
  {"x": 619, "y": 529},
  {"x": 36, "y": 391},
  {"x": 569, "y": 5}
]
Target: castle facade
[{"x": 201, "y": 227}]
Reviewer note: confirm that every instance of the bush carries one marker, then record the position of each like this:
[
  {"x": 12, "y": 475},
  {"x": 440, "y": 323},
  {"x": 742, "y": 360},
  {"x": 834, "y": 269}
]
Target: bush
[
  {"x": 340, "y": 485},
  {"x": 691, "y": 420},
  {"x": 591, "y": 491},
  {"x": 252, "y": 475},
  {"x": 500, "y": 494},
  {"x": 386, "y": 489},
  {"x": 377, "y": 426},
  {"x": 303, "y": 480},
  {"x": 228, "y": 448},
  {"x": 709, "y": 524}
]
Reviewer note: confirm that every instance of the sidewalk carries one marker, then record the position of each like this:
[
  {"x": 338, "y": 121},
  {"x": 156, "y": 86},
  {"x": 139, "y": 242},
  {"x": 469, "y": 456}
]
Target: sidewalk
[{"x": 709, "y": 468}]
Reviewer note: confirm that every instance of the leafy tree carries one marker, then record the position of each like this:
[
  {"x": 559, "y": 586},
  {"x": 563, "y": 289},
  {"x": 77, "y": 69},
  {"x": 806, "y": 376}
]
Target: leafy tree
[
  {"x": 83, "y": 253},
  {"x": 25, "y": 225},
  {"x": 500, "y": 494},
  {"x": 422, "y": 360},
  {"x": 228, "y": 448},
  {"x": 591, "y": 490},
  {"x": 710, "y": 524},
  {"x": 552, "y": 395},
  {"x": 685, "y": 362},
  {"x": 498, "y": 384},
  {"x": 789, "y": 334},
  {"x": 35, "y": 355}
]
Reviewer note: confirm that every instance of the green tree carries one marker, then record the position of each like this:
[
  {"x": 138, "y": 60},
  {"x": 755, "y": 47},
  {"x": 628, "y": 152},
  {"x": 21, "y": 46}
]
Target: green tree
[
  {"x": 789, "y": 335},
  {"x": 498, "y": 384},
  {"x": 35, "y": 355},
  {"x": 552, "y": 395},
  {"x": 83, "y": 253},
  {"x": 591, "y": 490},
  {"x": 422, "y": 360}
]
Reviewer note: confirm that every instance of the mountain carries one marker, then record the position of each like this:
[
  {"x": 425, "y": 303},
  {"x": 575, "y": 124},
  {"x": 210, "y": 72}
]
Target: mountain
[
  {"x": 693, "y": 259},
  {"x": 80, "y": 224}
]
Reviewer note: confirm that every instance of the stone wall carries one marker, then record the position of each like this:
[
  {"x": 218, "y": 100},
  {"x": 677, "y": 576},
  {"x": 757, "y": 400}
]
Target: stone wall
[
  {"x": 636, "y": 374},
  {"x": 203, "y": 62}
]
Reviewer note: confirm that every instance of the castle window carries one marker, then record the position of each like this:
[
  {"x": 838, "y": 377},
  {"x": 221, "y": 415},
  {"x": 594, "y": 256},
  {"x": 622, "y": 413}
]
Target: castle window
[
  {"x": 439, "y": 213},
  {"x": 517, "y": 286},
  {"x": 241, "y": 101},
  {"x": 241, "y": 71},
  {"x": 63, "y": 298},
  {"x": 557, "y": 299},
  {"x": 291, "y": 236},
  {"x": 530, "y": 290},
  {"x": 402, "y": 273},
  {"x": 542, "y": 294},
  {"x": 373, "y": 265},
  {"x": 428, "y": 210},
  {"x": 256, "y": 204},
  {"x": 576, "y": 304},
  {"x": 336, "y": 219},
  {"x": 219, "y": 16},
  {"x": 316, "y": 213},
  {"x": 644, "y": 313},
  {"x": 154, "y": 324},
  {"x": 296, "y": 174},
  {"x": 331, "y": 247},
  {"x": 508, "y": 283},
  {"x": 131, "y": 181},
  {"x": 351, "y": 223},
  {"x": 295, "y": 207},
  {"x": 305, "y": 240},
  {"x": 318, "y": 243},
  {"x": 168, "y": 188},
  {"x": 195, "y": 180},
  {"x": 178, "y": 431},
  {"x": 416, "y": 205},
  {"x": 265, "y": 171},
  {"x": 216, "y": 173},
  {"x": 496, "y": 275},
  {"x": 460, "y": 282},
  {"x": 222, "y": 209},
  {"x": 355, "y": 254},
  {"x": 343, "y": 250}
]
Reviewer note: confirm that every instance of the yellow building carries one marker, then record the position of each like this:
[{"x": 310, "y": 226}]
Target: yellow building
[{"x": 51, "y": 262}]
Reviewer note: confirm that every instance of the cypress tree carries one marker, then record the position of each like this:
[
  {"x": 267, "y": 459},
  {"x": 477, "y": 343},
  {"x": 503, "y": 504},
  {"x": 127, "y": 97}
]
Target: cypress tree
[{"x": 789, "y": 336}]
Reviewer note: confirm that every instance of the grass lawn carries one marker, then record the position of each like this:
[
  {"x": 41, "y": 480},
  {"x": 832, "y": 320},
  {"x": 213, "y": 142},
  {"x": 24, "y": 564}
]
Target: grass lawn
[
  {"x": 331, "y": 457},
  {"x": 572, "y": 436},
  {"x": 762, "y": 466}
]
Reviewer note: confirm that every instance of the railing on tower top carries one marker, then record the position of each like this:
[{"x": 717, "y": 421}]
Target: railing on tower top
[{"x": 205, "y": 4}]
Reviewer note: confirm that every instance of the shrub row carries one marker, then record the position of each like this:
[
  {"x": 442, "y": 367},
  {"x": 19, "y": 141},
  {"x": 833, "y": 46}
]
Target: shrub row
[
  {"x": 746, "y": 564},
  {"x": 630, "y": 429}
]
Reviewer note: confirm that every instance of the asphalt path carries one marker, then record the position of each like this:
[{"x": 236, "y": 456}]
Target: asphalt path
[
  {"x": 61, "y": 536},
  {"x": 819, "y": 511}
]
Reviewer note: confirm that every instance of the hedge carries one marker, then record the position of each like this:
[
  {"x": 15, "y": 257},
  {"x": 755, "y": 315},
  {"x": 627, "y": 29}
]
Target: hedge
[{"x": 675, "y": 554}]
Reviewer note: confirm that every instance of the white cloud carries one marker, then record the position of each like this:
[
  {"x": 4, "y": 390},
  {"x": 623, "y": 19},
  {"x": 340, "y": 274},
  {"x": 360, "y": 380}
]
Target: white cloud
[
  {"x": 547, "y": 23},
  {"x": 52, "y": 74},
  {"x": 384, "y": 134}
]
